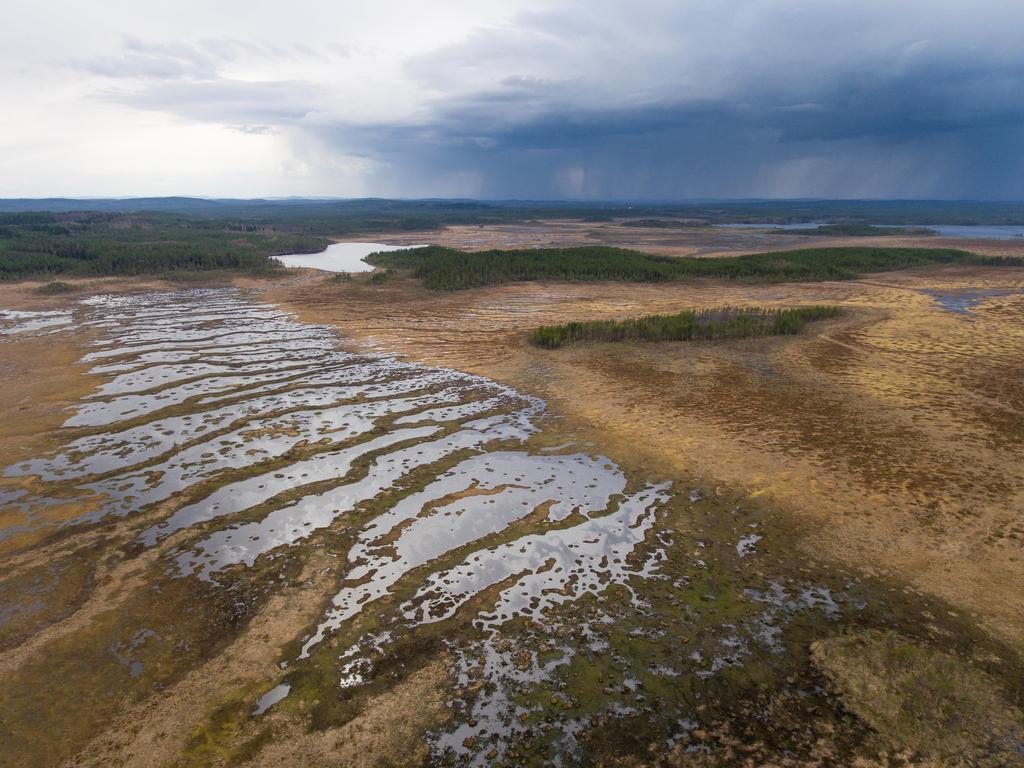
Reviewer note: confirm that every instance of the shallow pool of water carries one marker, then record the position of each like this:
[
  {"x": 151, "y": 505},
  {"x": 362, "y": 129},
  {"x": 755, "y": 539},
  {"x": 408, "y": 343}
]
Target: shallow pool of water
[
  {"x": 251, "y": 432},
  {"x": 965, "y": 301}
]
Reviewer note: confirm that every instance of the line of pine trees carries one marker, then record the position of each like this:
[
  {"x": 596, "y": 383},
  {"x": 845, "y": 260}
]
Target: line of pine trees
[
  {"x": 450, "y": 269},
  {"x": 689, "y": 325}
]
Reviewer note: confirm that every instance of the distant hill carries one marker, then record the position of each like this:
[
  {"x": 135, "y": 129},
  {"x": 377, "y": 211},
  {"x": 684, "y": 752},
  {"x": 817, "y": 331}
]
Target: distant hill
[
  {"x": 226, "y": 207},
  {"x": 439, "y": 210}
]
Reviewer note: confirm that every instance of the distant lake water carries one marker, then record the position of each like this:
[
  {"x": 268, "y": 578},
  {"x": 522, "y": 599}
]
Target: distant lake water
[
  {"x": 991, "y": 231},
  {"x": 340, "y": 257},
  {"x": 986, "y": 231}
]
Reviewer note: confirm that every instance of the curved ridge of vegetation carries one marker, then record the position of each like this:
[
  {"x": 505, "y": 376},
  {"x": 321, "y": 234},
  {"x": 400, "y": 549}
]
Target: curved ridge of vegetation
[
  {"x": 450, "y": 269},
  {"x": 689, "y": 325}
]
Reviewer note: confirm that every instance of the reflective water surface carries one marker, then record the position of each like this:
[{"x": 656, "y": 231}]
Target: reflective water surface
[
  {"x": 233, "y": 430},
  {"x": 339, "y": 257},
  {"x": 439, "y": 512},
  {"x": 14, "y": 322}
]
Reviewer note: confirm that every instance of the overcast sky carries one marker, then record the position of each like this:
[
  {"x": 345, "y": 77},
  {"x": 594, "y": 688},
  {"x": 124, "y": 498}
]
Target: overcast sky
[{"x": 636, "y": 99}]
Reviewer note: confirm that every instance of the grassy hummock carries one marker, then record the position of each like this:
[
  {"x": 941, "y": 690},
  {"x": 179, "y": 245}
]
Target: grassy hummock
[
  {"x": 917, "y": 697},
  {"x": 450, "y": 269},
  {"x": 690, "y": 325},
  {"x": 55, "y": 288}
]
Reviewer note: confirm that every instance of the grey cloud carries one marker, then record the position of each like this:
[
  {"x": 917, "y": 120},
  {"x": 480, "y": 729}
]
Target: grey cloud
[
  {"x": 230, "y": 102},
  {"x": 160, "y": 61},
  {"x": 256, "y": 130},
  {"x": 778, "y": 114},
  {"x": 673, "y": 99},
  {"x": 205, "y": 60}
]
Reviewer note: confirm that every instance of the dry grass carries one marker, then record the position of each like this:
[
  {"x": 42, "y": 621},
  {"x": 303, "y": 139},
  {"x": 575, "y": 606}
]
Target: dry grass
[
  {"x": 895, "y": 434},
  {"x": 919, "y": 698}
]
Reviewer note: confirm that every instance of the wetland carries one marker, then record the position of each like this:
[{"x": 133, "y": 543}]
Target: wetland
[{"x": 296, "y": 520}]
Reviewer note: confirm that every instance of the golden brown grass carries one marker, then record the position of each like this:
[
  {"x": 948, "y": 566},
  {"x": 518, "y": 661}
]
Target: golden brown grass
[{"x": 919, "y": 698}]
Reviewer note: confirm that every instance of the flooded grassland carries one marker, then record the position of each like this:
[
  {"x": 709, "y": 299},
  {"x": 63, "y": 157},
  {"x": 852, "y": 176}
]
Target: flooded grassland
[{"x": 238, "y": 536}]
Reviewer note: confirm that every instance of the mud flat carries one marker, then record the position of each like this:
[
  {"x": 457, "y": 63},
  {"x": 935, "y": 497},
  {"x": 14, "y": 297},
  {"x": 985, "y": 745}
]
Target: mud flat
[{"x": 250, "y": 537}]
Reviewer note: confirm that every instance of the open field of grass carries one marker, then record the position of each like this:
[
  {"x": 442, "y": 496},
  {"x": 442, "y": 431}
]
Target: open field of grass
[
  {"x": 450, "y": 269},
  {"x": 689, "y": 325}
]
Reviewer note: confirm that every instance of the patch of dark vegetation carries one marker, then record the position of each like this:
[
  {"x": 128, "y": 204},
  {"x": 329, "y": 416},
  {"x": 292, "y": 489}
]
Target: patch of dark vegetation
[
  {"x": 43, "y": 244},
  {"x": 56, "y": 288},
  {"x": 450, "y": 269},
  {"x": 664, "y": 223},
  {"x": 857, "y": 230},
  {"x": 378, "y": 278},
  {"x": 690, "y": 325}
]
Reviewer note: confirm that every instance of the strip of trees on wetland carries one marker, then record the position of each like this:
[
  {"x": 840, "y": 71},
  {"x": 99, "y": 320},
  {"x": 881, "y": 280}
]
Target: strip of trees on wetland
[
  {"x": 450, "y": 269},
  {"x": 689, "y": 325}
]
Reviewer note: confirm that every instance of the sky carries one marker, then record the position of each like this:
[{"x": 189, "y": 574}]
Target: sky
[{"x": 563, "y": 99}]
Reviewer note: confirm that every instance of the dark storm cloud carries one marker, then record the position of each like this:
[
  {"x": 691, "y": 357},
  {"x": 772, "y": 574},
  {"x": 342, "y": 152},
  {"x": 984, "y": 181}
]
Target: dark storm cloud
[
  {"x": 657, "y": 100},
  {"x": 568, "y": 111},
  {"x": 953, "y": 133}
]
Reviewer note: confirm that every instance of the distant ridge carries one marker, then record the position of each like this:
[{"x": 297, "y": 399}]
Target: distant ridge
[{"x": 920, "y": 212}]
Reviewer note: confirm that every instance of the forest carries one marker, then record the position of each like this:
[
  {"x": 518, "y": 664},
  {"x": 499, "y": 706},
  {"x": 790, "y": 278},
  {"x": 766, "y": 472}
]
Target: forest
[
  {"x": 45, "y": 238},
  {"x": 689, "y": 325},
  {"x": 450, "y": 269},
  {"x": 47, "y": 244},
  {"x": 380, "y": 214}
]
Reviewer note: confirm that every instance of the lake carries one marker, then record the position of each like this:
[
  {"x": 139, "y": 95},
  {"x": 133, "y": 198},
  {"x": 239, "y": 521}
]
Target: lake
[
  {"x": 992, "y": 232},
  {"x": 340, "y": 257}
]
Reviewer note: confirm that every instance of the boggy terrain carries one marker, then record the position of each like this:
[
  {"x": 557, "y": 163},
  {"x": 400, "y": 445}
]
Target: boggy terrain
[
  {"x": 697, "y": 240},
  {"x": 248, "y": 546},
  {"x": 895, "y": 433}
]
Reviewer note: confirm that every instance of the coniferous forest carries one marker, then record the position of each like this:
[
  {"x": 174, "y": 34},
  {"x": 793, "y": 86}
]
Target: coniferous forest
[
  {"x": 45, "y": 244},
  {"x": 450, "y": 269}
]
